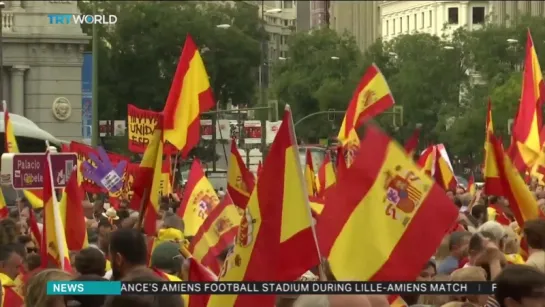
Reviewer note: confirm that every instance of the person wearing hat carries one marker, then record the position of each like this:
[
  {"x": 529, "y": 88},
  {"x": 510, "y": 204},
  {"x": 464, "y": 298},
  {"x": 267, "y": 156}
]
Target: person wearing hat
[{"x": 167, "y": 262}]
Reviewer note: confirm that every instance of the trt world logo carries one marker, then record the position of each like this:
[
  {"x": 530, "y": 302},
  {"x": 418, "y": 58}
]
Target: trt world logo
[{"x": 66, "y": 19}]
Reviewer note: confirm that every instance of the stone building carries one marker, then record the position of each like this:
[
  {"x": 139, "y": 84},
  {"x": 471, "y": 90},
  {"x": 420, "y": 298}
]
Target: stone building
[{"x": 41, "y": 71}]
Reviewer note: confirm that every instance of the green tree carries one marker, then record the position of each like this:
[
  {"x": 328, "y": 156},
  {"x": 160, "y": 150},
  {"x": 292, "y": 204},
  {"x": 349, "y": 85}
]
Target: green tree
[
  {"x": 316, "y": 76},
  {"x": 138, "y": 56}
]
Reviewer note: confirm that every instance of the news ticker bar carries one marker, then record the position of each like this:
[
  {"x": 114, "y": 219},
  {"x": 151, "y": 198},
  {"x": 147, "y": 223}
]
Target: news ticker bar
[{"x": 299, "y": 287}]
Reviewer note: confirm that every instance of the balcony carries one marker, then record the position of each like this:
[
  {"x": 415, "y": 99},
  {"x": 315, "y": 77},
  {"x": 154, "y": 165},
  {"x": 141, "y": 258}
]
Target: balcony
[{"x": 7, "y": 22}]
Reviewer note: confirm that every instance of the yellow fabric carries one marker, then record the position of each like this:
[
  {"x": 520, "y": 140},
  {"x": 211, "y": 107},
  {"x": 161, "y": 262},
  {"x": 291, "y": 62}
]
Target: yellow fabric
[
  {"x": 235, "y": 178},
  {"x": 345, "y": 256},
  {"x": 172, "y": 278},
  {"x": 6, "y": 281},
  {"x": 108, "y": 265},
  {"x": 515, "y": 258},
  {"x": 194, "y": 82}
]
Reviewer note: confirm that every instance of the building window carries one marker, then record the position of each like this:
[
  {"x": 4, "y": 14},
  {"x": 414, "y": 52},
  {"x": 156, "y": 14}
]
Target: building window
[
  {"x": 394, "y": 26},
  {"x": 415, "y": 23},
  {"x": 429, "y": 21},
  {"x": 478, "y": 15},
  {"x": 400, "y": 24},
  {"x": 408, "y": 24},
  {"x": 387, "y": 27},
  {"x": 288, "y": 4},
  {"x": 286, "y": 23},
  {"x": 453, "y": 15},
  {"x": 422, "y": 21}
]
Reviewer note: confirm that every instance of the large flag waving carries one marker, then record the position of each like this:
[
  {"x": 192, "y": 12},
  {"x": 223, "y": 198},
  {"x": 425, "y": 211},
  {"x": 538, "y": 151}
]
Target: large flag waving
[
  {"x": 412, "y": 143},
  {"x": 54, "y": 249},
  {"x": 147, "y": 182},
  {"x": 385, "y": 196},
  {"x": 216, "y": 234},
  {"x": 240, "y": 181},
  {"x": 326, "y": 175},
  {"x": 277, "y": 218},
  {"x": 372, "y": 97},
  {"x": 72, "y": 215},
  {"x": 492, "y": 183},
  {"x": 527, "y": 125},
  {"x": 190, "y": 95},
  {"x": 10, "y": 145},
  {"x": 199, "y": 199}
]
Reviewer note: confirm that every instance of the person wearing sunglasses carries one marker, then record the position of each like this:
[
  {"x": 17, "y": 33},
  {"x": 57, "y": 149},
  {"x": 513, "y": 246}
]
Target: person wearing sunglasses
[{"x": 29, "y": 244}]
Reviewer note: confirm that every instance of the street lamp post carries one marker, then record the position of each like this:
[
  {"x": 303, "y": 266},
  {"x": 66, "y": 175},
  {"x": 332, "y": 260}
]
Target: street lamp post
[
  {"x": 94, "y": 86},
  {"x": 2, "y": 6}
]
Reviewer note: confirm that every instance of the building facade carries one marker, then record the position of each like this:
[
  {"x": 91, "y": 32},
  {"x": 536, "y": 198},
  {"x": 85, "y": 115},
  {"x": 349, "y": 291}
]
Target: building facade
[
  {"x": 41, "y": 71},
  {"x": 432, "y": 17},
  {"x": 359, "y": 18},
  {"x": 504, "y": 12}
]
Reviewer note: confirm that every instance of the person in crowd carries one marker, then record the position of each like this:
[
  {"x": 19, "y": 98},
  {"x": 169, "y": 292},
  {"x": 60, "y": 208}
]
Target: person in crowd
[
  {"x": 458, "y": 247},
  {"x": 321, "y": 300},
  {"x": 142, "y": 274},
  {"x": 127, "y": 251},
  {"x": 98, "y": 210},
  {"x": 29, "y": 244},
  {"x": 434, "y": 300},
  {"x": 450, "y": 194},
  {"x": 534, "y": 231},
  {"x": 511, "y": 247},
  {"x": 470, "y": 274},
  {"x": 33, "y": 262},
  {"x": 36, "y": 289},
  {"x": 166, "y": 257},
  {"x": 484, "y": 252},
  {"x": 90, "y": 261},
  {"x": 427, "y": 274},
  {"x": 11, "y": 265},
  {"x": 87, "y": 300},
  {"x": 8, "y": 231},
  {"x": 520, "y": 286},
  {"x": 479, "y": 214},
  {"x": 497, "y": 230},
  {"x": 105, "y": 229}
]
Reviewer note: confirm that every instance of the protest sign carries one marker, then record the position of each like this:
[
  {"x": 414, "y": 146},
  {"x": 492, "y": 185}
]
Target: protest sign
[{"x": 141, "y": 124}]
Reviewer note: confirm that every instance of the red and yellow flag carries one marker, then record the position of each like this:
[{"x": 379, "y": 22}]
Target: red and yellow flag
[
  {"x": 199, "y": 199},
  {"x": 341, "y": 162},
  {"x": 147, "y": 182},
  {"x": 34, "y": 229},
  {"x": 72, "y": 215},
  {"x": 4, "y": 212},
  {"x": 521, "y": 201},
  {"x": 444, "y": 174},
  {"x": 326, "y": 176},
  {"x": 199, "y": 273},
  {"x": 277, "y": 218},
  {"x": 471, "y": 189},
  {"x": 166, "y": 177},
  {"x": 412, "y": 143},
  {"x": 412, "y": 204},
  {"x": 527, "y": 124},
  {"x": 492, "y": 183},
  {"x": 240, "y": 181},
  {"x": 259, "y": 168},
  {"x": 190, "y": 95},
  {"x": 310, "y": 176},
  {"x": 372, "y": 97},
  {"x": 34, "y": 197},
  {"x": 216, "y": 234},
  {"x": 172, "y": 278},
  {"x": 316, "y": 206},
  {"x": 427, "y": 160},
  {"x": 53, "y": 249},
  {"x": 9, "y": 295}
]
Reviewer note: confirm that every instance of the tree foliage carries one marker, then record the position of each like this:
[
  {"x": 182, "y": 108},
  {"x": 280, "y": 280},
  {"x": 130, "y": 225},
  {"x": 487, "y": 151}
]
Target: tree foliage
[{"x": 138, "y": 56}]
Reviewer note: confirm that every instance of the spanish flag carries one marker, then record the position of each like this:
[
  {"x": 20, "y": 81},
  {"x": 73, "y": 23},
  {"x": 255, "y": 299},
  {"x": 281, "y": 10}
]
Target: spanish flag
[
  {"x": 521, "y": 201},
  {"x": 240, "y": 181},
  {"x": 4, "y": 212},
  {"x": 427, "y": 160},
  {"x": 259, "y": 168},
  {"x": 372, "y": 97},
  {"x": 492, "y": 182},
  {"x": 166, "y": 178},
  {"x": 72, "y": 215},
  {"x": 9, "y": 295},
  {"x": 190, "y": 95},
  {"x": 316, "y": 206},
  {"x": 216, "y": 234},
  {"x": 326, "y": 176},
  {"x": 277, "y": 218},
  {"x": 385, "y": 196},
  {"x": 527, "y": 125},
  {"x": 310, "y": 176},
  {"x": 412, "y": 143},
  {"x": 34, "y": 229},
  {"x": 471, "y": 189},
  {"x": 199, "y": 273},
  {"x": 10, "y": 144},
  {"x": 172, "y": 278},
  {"x": 444, "y": 174},
  {"x": 147, "y": 182},
  {"x": 199, "y": 199},
  {"x": 53, "y": 248}
]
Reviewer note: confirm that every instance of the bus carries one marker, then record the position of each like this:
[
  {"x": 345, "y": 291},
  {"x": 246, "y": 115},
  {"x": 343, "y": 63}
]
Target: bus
[{"x": 30, "y": 138}]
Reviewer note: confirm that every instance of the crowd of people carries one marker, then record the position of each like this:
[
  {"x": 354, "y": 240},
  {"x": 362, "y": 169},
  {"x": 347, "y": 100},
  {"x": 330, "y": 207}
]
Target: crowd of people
[{"x": 483, "y": 246}]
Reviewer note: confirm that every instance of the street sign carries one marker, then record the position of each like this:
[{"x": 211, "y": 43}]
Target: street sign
[{"x": 26, "y": 170}]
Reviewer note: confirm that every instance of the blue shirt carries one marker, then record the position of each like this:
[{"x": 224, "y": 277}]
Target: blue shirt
[{"x": 447, "y": 266}]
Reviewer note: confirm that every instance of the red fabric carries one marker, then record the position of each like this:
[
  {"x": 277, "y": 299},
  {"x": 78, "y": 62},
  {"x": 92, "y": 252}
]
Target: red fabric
[{"x": 463, "y": 262}]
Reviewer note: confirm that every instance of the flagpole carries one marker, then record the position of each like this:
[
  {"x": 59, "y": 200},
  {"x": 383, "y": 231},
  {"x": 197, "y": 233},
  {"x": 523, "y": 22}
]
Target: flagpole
[{"x": 94, "y": 84}]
